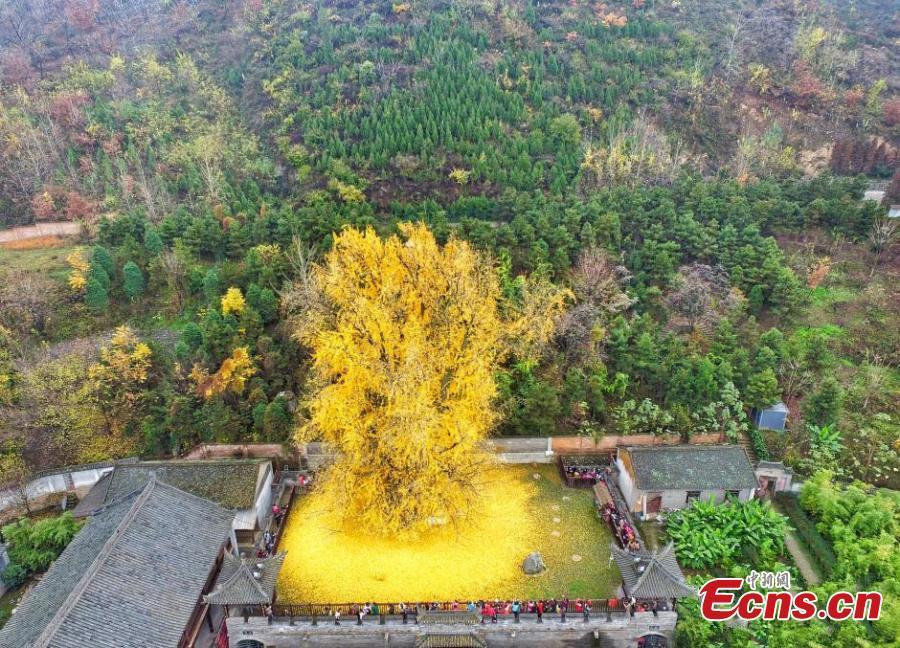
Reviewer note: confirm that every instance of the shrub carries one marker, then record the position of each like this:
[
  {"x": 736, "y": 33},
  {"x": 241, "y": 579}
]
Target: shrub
[
  {"x": 35, "y": 545},
  {"x": 14, "y": 576},
  {"x": 709, "y": 535},
  {"x": 759, "y": 443}
]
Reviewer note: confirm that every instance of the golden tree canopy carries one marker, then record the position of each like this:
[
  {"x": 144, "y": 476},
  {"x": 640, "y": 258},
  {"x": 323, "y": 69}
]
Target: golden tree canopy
[{"x": 405, "y": 354}]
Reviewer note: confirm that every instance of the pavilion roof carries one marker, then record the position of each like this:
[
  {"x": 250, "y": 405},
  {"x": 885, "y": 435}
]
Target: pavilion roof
[
  {"x": 246, "y": 581},
  {"x": 652, "y": 575}
]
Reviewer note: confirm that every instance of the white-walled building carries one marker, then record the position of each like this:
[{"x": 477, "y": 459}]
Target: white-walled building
[{"x": 659, "y": 478}]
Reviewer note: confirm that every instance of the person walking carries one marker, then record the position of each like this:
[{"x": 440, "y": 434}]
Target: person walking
[
  {"x": 516, "y": 608},
  {"x": 337, "y": 616},
  {"x": 586, "y": 610},
  {"x": 404, "y": 611},
  {"x": 540, "y": 611}
]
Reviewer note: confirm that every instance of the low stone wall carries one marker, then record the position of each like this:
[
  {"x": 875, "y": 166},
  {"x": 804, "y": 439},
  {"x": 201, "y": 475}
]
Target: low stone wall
[
  {"x": 525, "y": 450},
  {"x": 46, "y": 486},
  {"x": 622, "y": 632},
  {"x": 609, "y": 443},
  {"x": 238, "y": 451}
]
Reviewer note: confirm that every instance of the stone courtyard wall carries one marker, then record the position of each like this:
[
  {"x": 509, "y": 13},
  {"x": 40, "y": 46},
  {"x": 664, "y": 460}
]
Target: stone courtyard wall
[{"x": 621, "y": 632}]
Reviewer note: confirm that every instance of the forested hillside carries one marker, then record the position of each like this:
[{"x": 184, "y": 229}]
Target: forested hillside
[{"x": 691, "y": 171}]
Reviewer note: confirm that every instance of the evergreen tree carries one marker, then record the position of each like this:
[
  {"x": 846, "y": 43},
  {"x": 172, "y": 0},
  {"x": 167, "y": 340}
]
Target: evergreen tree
[
  {"x": 823, "y": 407},
  {"x": 101, "y": 257},
  {"x": 762, "y": 389},
  {"x": 132, "y": 280},
  {"x": 211, "y": 286},
  {"x": 96, "y": 295},
  {"x": 152, "y": 241}
]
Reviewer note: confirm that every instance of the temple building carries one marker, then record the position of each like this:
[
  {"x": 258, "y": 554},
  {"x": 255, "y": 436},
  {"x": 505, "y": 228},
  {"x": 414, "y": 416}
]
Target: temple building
[
  {"x": 659, "y": 478},
  {"x": 133, "y": 577},
  {"x": 244, "y": 486}
]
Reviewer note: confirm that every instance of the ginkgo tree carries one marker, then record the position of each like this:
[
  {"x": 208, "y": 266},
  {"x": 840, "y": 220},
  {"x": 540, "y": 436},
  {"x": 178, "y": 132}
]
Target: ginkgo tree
[{"x": 406, "y": 337}]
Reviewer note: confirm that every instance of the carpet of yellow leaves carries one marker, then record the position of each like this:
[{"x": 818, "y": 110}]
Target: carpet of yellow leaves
[{"x": 515, "y": 515}]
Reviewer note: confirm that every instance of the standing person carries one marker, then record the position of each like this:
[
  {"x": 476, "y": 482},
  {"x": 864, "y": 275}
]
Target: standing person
[
  {"x": 269, "y": 613},
  {"x": 359, "y": 615},
  {"x": 484, "y": 611},
  {"x": 337, "y": 616},
  {"x": 586, "y": 610},
  {"x": 516, "y": 608},
  {"x": 404, "y": 611},
  {"x": 540, "y": 611},
  {"x": 494, "y": 609},
  {"x": 562, "y": 612}
]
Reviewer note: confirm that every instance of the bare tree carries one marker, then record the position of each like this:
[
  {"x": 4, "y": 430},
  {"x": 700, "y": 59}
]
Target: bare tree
[
  {"x": 598, "y": 282},
  {"x": 15, "y": 475},
  {"x": 882, "y": 235},
  {"x": 175, "y": 273},
  {"x": 703, "y": 295}
]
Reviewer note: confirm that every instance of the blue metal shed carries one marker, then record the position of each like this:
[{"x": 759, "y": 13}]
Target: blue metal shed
[{"x": 773, "y": 417}]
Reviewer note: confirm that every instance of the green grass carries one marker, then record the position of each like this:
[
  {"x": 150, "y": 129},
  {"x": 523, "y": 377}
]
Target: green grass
[
  {"x": 9, "y": 601},
  {"x": 829, "y": 296},
  {"x": 583, "y": 532},
  {"x": 51, "y": 261}
]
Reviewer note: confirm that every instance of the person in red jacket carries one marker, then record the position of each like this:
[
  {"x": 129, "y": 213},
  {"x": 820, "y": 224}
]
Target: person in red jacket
[{"x": 540, "y": 611}]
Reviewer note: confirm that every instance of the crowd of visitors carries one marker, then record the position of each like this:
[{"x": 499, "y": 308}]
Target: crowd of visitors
[
  {"x": 582, "y": 472},
  {"x": 490, "y": 611},
  {"x": 622, "y": 530}
]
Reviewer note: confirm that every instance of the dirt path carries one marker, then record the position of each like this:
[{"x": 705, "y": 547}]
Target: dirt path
[
  {"x": 798, "y": 553},
  {"x": 25, "y": 232}
]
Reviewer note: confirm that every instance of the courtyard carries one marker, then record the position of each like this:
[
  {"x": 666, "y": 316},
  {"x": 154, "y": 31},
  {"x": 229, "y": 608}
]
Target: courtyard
[{"x": 518, "y": 510}]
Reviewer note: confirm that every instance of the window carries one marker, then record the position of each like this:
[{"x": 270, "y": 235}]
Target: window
[{"x": 691, "y": 496}]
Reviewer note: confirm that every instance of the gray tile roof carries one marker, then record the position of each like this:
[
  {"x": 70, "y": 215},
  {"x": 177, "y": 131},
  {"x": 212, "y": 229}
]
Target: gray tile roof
[
  {"x": 233, "y": 484},
  {"x": 691, "y": 467},
  {"x": 246, "y": 582},
  {"x": 653, "y": 575},
  {"x": 449, "y": 640},
  {"x": 130, "y": 579},
  {"x": 94, "y": 499}
]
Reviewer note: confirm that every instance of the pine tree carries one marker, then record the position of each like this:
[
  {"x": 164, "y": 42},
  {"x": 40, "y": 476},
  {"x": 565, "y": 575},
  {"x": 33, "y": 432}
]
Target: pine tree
[
  {"x": 96, "y": 295},
  {"x": 762, "y": 389},
  {"x": 101, "y": 257},
  {"x": 152, "y": 241},
  {"x": 211, "y": 286},
  {"x": 132, "y": 280}
]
